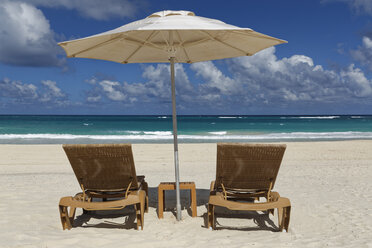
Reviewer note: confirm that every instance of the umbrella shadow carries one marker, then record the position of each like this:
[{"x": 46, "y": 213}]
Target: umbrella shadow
[
  {"x": 202, "y": 196},
  {"x": 128, "y": 213},
  {"x": 261, "y": 219}
]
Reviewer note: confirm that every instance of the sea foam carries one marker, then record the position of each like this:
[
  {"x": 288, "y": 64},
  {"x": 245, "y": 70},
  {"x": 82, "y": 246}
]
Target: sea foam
[{"x": 215, "y": 136}]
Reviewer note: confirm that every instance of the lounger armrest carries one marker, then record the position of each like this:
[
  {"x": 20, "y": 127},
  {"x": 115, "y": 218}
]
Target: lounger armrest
[
  {"x": 212, "y": 185},
  {"x": 140, "y": 179}
]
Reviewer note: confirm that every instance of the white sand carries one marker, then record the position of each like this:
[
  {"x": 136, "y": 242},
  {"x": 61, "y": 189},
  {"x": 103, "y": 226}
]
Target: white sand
[{"x": 329, "y": 184}]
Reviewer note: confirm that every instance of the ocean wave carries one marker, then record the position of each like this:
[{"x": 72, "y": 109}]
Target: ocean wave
[
  {"x": 218, "y": 133},
  {"x": 74, "y": 137},
  {"x": 227, "y": 117},
  {"x": 133, "y": 132},
  {"x": 149, "y": 132},
  {"x": 311, "y": 117},
  {"x": 158, "y": 133},
  {"x": 167, "y": 135}
]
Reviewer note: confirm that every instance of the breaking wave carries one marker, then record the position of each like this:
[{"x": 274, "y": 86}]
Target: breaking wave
[
  {"x": 311, "y": 117},
  {"x": 212, "y": 136}
]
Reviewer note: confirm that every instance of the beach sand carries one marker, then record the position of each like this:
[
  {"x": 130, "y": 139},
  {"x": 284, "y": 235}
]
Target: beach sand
[{"x": 329, "y": 185}]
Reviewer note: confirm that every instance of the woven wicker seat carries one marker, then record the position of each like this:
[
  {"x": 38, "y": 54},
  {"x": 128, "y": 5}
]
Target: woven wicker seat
[
  {"x": 248, "y": 172},
  {"x": 107, "y": 172}
]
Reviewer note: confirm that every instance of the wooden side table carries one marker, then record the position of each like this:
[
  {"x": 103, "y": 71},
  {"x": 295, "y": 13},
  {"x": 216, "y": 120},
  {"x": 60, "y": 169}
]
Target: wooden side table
[{"x": 163, "y": 186}]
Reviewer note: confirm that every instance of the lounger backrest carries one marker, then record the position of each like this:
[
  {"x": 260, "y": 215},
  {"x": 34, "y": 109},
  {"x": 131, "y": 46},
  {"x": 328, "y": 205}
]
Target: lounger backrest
[
  {"x": 103, "y": 167},
  {"x": 248, "y": 166}
]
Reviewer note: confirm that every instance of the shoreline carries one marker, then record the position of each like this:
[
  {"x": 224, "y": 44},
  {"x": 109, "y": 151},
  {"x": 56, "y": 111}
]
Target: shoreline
[
  {"x": 207, "y": 143},
  {"x": 326, "y": 181},
  {"x": 180, "y": 140}
]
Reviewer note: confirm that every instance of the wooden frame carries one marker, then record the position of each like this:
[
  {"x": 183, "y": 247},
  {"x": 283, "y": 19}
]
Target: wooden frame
[
  {"x": 248, "y": 171},
  {"x": 106, "y": 172}
]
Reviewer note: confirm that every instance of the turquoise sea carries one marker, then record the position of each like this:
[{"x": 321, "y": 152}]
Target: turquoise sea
[{"x": 53, "y": 129}]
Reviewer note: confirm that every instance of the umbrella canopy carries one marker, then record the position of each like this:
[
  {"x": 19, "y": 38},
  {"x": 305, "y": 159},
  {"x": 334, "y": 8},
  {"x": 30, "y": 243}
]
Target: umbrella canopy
[
  {"x": 175, "y": 37},
  {"x": 191, "y": 39}
]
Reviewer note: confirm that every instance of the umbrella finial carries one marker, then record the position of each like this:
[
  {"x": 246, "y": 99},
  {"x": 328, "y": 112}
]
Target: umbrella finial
[{"x": 165, "y": 13}]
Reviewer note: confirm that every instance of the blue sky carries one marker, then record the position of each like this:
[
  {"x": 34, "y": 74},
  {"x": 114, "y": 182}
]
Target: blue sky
[{"x": 324, "y": 69}]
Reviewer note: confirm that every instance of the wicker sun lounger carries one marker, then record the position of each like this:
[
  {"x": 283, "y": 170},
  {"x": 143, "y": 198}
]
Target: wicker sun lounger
[
  {"x": 248, "y": 172},
  {"x": 106, "y": 172}
]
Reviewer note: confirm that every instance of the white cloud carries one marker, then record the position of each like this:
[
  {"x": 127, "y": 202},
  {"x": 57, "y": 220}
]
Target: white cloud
[
  {"x": 357, "y": 82},
  {"x": 157, "y": 88},
  {"x": 298, "y": 59},
  {"x": 93, "y": 99},
  {"x": 96, "y": 9},
  {"x": 25, "y": 36},
  {"x": 52, "y": 86},
  {"x": 363, "y": 54},
  {"x": 159, "y": 84},
  {"x": 16, "y": 92},
  {"x": 112, "y": 90},
  {"x": 359, "y": 6},
  {"x": 52, "y": 93},
  {"x": 215, "y": 79},
  {"x": 367, "y": 42},
  {"x": 294, "y": 79}
]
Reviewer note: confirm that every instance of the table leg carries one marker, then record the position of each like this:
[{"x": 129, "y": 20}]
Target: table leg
[
  {"x": 193, "y": 201},
  {"x": 160, "y": 202}
]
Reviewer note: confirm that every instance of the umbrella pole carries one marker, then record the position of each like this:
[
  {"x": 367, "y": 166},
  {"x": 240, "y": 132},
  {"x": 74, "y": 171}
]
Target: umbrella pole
[{"x": 175, "y": 142}]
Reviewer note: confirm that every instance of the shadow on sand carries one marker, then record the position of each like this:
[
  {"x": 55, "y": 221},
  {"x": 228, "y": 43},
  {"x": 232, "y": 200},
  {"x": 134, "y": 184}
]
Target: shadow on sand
[{"x": 262, "y": 219}]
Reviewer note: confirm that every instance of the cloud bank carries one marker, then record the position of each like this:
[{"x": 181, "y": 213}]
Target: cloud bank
[
  {"x": 16, "y": 93},
  {"x": 363, "y": 54},
  {"x": 258, "y": 82},
  {"x": 26, "y": 37}
]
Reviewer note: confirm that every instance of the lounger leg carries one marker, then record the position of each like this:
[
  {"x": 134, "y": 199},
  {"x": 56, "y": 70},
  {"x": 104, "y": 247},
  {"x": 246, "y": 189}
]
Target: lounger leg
[
  {"x": 63, "y": 213},
  {"x": 143, "y": 207},
  {"x": 138, "y": 214},
  {"x": 281, "y": 213},
  {"x": 211, "y": 217},
  {"x": 146, "y": 189},
  {"x": 66, "y": 220},
  {"x": 287, "y": 214},
  {"x": 140, "y": 209}
]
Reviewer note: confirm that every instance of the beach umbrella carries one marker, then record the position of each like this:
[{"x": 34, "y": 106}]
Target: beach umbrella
[{"x": 171, "y": 37}]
